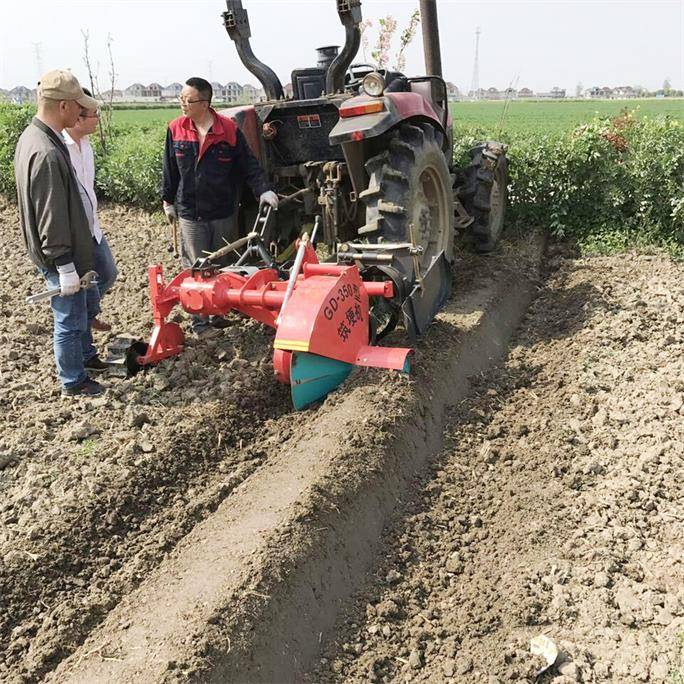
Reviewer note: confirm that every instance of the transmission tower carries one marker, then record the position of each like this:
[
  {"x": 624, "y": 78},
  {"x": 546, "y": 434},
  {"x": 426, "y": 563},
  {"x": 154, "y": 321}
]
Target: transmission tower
[
  {"x": 39, "y": 59},
  {"x": 475, "y": 83}
]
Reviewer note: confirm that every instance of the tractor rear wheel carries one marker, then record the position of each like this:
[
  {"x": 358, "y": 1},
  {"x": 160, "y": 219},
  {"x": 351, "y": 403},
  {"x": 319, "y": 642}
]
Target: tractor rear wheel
[
  {"x": 409, "y": 193},
  {"x": 485, "y": 192}
]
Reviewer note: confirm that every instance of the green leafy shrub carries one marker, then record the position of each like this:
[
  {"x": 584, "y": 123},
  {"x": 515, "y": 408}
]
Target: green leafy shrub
[
  {"x": 609, "y": 184},
  {"x": 13, "y": 120},
  {"x": 131, "y": 170}
]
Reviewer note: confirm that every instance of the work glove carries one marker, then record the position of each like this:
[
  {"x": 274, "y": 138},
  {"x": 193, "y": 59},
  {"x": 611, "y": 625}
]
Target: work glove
[
  {"x": 170, "y": 211},
  {"x": 69, "y": 282},
  {"x": 269, "y": 197}
]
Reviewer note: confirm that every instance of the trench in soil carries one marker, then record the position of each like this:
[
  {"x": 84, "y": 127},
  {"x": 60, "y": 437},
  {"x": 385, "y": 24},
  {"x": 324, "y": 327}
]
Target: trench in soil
[
  {"x": 95, "y": 496},
  {"x": 343, "y": 466}
]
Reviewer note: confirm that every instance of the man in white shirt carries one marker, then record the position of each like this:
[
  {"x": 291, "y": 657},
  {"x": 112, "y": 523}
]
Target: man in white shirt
[{"x": 83, "y": 161}]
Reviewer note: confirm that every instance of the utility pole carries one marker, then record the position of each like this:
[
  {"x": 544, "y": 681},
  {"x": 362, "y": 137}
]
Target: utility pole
[
  {"x": 475, "y": 83},
  {"x": 39, "y": 60}
]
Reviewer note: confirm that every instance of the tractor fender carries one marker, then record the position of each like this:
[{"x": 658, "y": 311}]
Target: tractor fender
[
  {"x": 245, "y": 119},
  {"x": 399, "y": 107}
]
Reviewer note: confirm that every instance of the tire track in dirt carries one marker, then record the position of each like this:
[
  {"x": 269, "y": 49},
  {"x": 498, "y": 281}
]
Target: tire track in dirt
[{"x": 555, "y": 508}]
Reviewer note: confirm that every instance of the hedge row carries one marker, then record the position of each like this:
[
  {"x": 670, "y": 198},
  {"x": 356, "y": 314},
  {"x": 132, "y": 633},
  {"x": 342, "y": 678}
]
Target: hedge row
[{"x": 608, "y": 184}]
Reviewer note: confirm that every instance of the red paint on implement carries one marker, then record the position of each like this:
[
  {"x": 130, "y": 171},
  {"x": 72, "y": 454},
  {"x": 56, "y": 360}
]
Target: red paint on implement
[{"x": 327, "y": 314}]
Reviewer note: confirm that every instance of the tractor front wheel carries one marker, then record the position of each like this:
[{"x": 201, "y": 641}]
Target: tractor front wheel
[{"x": 485, "y": 193}]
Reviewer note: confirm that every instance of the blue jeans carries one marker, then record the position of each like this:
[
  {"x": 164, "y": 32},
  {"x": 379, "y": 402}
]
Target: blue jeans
[
  {"x": 72, "y": 339},
  {"x": 106, "y": 276}
]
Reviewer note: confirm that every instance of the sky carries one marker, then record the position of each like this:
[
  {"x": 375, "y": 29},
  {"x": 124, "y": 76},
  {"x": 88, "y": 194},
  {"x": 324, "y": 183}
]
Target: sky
[{"x": 535, "y": 44}]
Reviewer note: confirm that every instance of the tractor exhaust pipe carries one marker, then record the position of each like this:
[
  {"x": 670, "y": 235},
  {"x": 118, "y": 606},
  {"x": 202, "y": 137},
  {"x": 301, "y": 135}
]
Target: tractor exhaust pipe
[
  {"x": 236, "y": 21},
  {"x": 430, "y": 27},
  {"x": 349, "y": 12}
]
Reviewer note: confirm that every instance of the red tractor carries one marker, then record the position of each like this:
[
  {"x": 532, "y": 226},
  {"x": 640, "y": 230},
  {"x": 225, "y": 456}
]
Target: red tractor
[
  {"x": 361, "y": 158},
  {"x": 370, "y": 151}
]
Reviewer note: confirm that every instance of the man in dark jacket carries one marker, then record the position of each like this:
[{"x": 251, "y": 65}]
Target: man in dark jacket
[
  {"x": 55, "y": 225},
  {"x": 206, "y": 160}
]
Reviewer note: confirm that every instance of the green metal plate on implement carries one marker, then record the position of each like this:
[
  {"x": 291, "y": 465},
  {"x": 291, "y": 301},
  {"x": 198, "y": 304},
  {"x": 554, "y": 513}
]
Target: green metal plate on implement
[{"x": 312, "y": 377}]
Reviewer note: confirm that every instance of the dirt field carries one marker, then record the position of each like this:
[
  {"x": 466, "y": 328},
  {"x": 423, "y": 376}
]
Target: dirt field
[
  {"x": 555, "y": 508},
  {"x": 93, "y": 493}
]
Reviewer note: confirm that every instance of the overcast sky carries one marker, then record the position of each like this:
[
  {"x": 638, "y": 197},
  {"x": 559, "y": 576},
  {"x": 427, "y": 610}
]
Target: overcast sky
[{"x": 534, "y": 44}]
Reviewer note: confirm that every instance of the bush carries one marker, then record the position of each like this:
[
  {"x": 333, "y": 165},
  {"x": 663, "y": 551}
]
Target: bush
[
  {"x": 131, "y": 170},
  {"x": 609, "y": 184},
  {"x": 13, "y": 120}
]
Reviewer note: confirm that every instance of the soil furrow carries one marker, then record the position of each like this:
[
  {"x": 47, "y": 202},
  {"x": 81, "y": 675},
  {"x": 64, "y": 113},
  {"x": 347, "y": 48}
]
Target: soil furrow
[{"x": 555, "y": 507}]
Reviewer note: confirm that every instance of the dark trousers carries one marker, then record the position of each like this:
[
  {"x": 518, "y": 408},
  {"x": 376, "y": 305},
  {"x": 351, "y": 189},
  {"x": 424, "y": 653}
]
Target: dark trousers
[{"x": 199, "y": 238}]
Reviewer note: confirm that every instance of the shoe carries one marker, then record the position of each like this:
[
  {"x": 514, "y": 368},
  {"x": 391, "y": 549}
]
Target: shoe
[
  {"x": 95, "y": 364},
  {"x": 88, "y": 388},
  {"x": 100, "y": 325},
  {"x": 220, "y": 323}
]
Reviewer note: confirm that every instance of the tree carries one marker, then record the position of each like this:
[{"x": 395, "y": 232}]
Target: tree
[
  {"x": 380, "y": 54},
  {"x": 106, "y": 106},
  {"x": 579, "y": 89},
  {"x": 667, "y": 86}
]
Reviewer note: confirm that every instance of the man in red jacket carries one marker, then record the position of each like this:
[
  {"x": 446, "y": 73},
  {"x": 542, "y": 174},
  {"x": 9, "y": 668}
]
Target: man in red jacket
[{"x": 206, "y": 160}]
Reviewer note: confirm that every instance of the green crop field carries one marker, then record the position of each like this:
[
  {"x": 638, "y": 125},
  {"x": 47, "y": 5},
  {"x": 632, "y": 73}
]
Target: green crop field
[
  {"x": 544, "y": 116},
  {"x": 555, "y": 116},
  {"x": 146, "y": 115}
]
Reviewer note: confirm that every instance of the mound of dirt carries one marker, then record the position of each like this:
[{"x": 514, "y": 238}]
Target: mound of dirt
[{"x": 555, "y": 507}]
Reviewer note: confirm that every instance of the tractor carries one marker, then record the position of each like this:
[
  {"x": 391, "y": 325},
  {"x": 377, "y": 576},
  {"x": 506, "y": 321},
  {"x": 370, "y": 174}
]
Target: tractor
[
  {"x": 369, "y": 150},
  {"x": 363, "y": 238}
]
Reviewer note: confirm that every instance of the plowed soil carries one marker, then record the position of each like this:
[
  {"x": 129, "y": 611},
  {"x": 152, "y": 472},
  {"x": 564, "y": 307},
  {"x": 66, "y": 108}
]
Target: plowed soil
[
  {"x": 94, "y": 492},
  {"x": 556, "y": 507}
]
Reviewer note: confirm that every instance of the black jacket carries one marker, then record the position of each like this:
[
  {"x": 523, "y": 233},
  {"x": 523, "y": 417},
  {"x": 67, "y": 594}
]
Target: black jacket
[
  {"x": 53, "y": 221},
  {"x": 205, "y": 184}
]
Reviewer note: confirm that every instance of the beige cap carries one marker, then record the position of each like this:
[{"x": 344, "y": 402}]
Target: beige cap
[{"x": 62, "y": 85}]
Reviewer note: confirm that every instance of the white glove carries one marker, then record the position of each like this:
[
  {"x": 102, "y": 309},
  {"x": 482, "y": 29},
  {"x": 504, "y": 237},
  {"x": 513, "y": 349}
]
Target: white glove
[
  {"x": 170, "y": 211},
  {"x": 269, "y": 197},
  {"x": 69, "y": 282}
]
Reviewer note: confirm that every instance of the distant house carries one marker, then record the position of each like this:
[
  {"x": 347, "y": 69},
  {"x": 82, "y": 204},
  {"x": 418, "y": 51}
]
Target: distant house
[
  {"x": 171, "y": 91},
  {"x": 113, "y": 95},
  {"x": 453, "y": 93},
  {"x": 252, "y": 94},
  {"x": 153, "y": 91},
  {"x": 134, "y": 92},
  {"x": 233, "y": 92},
  {"x": 554, "y": 94},
  {"x": 219, "y": 91}
]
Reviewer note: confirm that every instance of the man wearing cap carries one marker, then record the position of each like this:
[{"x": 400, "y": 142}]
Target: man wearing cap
[
  {"x": 55, "y": 225},
  {"x": 206, "y": 161}
]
